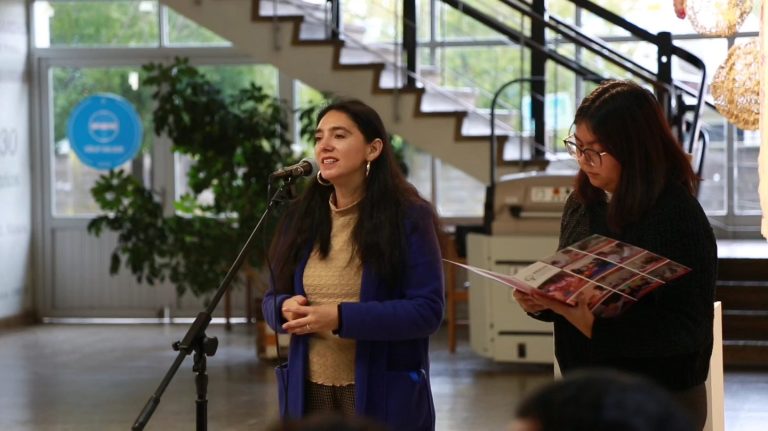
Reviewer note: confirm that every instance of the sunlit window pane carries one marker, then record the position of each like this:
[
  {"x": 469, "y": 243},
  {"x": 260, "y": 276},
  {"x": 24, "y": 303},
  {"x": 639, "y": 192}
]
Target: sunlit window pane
[
  {"x": 182, "y": 31},
  {"x": 458, "y": 194},
  {"x": 714, "y": 185},
  {"x": 747, "y": 201},
  {"x": 419, "y": 171},
  {"x": 96, "y": 23}
]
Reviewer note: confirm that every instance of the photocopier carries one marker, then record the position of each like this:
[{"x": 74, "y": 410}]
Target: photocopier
[{"x": 524, "y": 226}]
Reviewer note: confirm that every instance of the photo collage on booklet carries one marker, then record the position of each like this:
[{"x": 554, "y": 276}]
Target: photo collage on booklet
[{"x": 611, "y": 275}]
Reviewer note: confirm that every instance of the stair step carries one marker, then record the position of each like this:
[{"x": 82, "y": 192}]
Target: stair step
[
  {"x": 743, "y": 295},
  {"x": 752, "y": 354},
  {"x": 374, "y": 53},
  {"x": 315, "y": 18},
  {"x": 476, "y": 124},
  {"x": 446, "y": 100},
  {"x": 291, "y": 8},
  {"x": 742, "y": 287},
  {"x": 313, "y": 31},
  {"x": 745, "y": 325},
  {"x": 392, "y": 78},
  {"x": 745, "y": 269}
]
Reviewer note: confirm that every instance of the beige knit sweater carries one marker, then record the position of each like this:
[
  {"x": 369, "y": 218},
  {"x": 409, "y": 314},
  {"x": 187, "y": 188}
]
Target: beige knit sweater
[{"x": 332, "y": 280}]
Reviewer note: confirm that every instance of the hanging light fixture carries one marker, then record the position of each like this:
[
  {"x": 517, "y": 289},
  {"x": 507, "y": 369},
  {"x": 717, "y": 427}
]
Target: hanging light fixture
[
  {"x": 736, "y": 86},
  {"x": 679, "y": 6},
  {"x": 717, "y": 17}
]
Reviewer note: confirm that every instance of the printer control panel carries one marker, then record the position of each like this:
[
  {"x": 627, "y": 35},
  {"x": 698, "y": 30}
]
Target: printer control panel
[{"x": 549, "y": 194}]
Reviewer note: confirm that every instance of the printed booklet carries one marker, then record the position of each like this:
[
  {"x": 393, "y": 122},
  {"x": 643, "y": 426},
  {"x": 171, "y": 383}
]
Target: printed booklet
[{"x": 612, "y": 275}]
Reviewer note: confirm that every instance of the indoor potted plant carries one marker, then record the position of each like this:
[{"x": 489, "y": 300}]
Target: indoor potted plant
[{"x": 233, "y": 142}]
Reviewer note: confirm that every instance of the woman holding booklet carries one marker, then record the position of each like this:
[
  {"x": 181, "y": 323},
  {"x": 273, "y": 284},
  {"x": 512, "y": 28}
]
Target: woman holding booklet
[{"x": 636, "y": 185}]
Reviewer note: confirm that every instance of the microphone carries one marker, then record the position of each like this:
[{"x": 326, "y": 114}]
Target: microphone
[{"x": 304, "y": 168}]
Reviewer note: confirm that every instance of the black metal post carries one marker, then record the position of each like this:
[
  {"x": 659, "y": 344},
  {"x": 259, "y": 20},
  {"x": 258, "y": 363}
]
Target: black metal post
[
  {"x": 204, "y": 346},
  {"x": 538, "y": 88},
  {"x": 335, "y": 24},
  {"x": 664, "y": 72},
  {"x": 494, "y": 150},
  {"x": 490, "y": 190},
  {"x": 409, "y": 41}
]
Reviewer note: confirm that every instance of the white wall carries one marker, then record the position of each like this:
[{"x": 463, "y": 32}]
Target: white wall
[
  {"x": 15, "y": 200},
  {"x": 763, "y": 158}
]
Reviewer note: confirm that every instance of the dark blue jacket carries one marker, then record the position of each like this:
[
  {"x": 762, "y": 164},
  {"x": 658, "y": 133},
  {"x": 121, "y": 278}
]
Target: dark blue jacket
[{"x": 392, "y": 329}]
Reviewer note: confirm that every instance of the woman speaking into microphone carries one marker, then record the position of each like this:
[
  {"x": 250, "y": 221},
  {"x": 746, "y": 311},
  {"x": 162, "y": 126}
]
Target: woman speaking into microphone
[{"x": 357, "y": 281}]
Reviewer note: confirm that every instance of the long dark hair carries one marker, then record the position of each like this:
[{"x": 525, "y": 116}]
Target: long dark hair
[
  {"x": 629, "y": 123},
  {"x": 379, "y": 236}
]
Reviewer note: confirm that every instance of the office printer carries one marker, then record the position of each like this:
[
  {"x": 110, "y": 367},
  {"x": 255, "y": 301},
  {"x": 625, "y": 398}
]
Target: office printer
[
  {"x": 530, "y": 203},
  {"x": 524, "y": 220}
]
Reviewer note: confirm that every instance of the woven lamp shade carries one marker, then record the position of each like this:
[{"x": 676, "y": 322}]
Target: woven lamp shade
[
  {"x": 717, "y": 17},
  {"x": 736, "y": 86}
]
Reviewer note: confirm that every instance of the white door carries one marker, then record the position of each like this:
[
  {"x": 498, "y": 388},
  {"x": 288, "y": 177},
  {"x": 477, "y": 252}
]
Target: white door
[{"x": 74, "y": 276}]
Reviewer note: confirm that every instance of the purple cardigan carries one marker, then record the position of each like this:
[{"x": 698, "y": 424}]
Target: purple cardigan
[{"x": 392, "y": 329}]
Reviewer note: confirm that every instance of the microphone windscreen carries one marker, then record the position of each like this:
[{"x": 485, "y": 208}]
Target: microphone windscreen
[{"x": 315, "y": 168}]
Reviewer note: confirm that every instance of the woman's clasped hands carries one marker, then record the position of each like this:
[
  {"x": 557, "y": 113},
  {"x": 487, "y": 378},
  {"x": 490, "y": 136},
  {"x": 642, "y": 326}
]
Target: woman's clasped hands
[{"x": 303, "y": 318}]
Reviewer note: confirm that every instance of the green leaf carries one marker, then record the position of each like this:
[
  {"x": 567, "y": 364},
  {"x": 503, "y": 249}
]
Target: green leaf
[{"x": 232, "y": 142}]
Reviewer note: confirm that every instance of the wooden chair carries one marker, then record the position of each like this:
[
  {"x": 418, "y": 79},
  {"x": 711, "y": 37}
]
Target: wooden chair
[{"x": 250, "y": 281}]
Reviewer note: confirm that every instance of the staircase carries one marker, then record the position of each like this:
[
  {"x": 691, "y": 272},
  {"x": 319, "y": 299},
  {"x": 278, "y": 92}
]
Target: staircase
[
  {"x": 295, "y": 36},
  {"x": 434, "y": 120},
  {"x": 742, "y": 287}
]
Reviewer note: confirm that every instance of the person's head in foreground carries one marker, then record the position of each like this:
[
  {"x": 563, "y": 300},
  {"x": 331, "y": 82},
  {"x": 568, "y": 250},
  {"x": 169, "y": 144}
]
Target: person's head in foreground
[{"x": 600, "y": 400}]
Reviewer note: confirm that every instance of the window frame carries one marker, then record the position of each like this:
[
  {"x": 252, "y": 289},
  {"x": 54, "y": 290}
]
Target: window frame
[{"x": 729, "y": 223}]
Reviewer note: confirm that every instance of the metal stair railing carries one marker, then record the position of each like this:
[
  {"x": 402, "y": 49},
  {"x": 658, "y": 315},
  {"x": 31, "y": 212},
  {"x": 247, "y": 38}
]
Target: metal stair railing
[
  {"x": 336, "y": 28},
  {"x": 666, "y": 49},
  {"x": 667, "y": 89},
  {"x": 519, "y": 37}
]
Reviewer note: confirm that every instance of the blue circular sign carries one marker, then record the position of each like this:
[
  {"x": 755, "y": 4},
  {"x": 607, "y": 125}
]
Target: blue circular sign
[{"x": 105, "y": 131}]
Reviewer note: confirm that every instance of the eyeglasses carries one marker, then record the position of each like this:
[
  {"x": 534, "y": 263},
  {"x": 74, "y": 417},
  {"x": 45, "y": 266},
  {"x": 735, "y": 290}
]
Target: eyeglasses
[{"x": 592, "y": 157}]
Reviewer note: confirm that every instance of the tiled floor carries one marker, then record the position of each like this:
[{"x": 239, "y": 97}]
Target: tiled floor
[{"x": 77, "y": 377}]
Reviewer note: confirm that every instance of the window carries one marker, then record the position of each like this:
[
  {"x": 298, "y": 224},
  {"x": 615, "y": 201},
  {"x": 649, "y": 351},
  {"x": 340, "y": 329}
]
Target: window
[
  {"x": 116, "y": 36},
  {"x": 126, "y": 23},
  {"x": 115, "y": 23},
  {"x": 747, "y": 201},
  {"x": 71, "y": 179},
  {"x": 183, "y": 32}
]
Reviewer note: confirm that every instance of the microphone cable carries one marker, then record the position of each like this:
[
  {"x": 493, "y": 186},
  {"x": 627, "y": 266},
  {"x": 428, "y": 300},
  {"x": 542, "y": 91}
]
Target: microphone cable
[{"x": 273, "y": 285}]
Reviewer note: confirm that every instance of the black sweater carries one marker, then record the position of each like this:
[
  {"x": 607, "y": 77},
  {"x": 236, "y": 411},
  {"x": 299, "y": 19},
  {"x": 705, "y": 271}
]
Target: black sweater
[{"x": 667, "y": 335}]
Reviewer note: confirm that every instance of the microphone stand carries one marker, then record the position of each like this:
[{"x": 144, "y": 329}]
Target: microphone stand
[{"x": 195, "y": 339}]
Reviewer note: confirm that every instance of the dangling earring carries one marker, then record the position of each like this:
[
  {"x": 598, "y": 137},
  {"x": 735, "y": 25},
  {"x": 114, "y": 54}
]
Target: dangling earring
[
  {"x": 322, "y": 180},
  {"x": 368, "y": 168}
]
